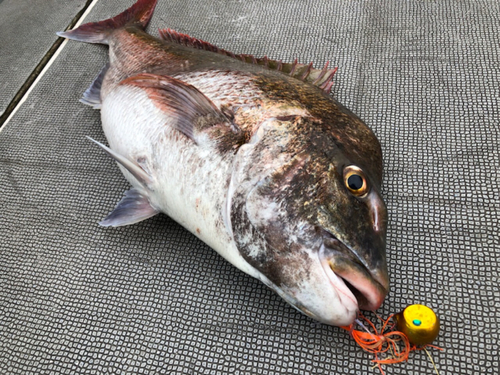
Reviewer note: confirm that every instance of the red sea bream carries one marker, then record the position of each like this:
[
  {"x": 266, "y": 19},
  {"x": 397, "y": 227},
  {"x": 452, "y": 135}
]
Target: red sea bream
[{"x": 251, "y": 155}]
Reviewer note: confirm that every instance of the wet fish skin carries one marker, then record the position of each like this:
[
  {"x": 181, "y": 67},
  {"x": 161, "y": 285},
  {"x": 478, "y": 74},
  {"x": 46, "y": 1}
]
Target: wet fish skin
[{"x": 249, "y": 159}]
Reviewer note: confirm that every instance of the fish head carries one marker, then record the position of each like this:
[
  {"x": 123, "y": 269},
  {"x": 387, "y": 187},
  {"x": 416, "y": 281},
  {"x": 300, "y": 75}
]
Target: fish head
[{"x": 307, "y": 214}]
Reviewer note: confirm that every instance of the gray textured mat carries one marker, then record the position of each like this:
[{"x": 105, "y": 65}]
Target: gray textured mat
[
  {"x": 151, "y": 298},
  {"x": 27, "y": 31}
]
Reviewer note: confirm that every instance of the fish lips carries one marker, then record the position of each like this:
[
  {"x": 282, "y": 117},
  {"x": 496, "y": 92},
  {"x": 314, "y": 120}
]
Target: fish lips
[{"x": 351, "y": 277}]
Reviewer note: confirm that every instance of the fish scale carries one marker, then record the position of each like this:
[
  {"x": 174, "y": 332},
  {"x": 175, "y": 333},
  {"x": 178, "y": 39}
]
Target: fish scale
[
  {"x": 224, "y": 88},
  {"x": 249, "y": 154}
]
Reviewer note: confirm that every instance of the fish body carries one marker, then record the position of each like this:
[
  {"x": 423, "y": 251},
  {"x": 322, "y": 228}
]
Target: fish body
[{"x": 250, "y": 155}]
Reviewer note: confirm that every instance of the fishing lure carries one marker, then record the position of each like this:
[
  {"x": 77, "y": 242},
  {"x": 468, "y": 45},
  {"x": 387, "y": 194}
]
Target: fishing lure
[{"x": 414, "y": 328}]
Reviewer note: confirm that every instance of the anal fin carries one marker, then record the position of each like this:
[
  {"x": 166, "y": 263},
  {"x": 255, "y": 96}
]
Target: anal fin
[
  {"x": 92, "y": 96},
  {"x": 133, "y": 208}
]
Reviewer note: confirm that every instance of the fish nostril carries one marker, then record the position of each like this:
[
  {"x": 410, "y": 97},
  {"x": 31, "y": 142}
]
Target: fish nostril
[
  {"x": 377, "y": 214},
  {"x": 376, "y": 222}
]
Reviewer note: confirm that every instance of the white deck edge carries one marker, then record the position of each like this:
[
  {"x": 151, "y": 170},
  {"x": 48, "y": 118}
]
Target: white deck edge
[{"x": 47, "y": 66}]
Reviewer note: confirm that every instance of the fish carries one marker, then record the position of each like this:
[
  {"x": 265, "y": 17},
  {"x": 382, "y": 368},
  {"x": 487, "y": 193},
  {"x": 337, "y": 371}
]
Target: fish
[{"x": 251, "y": 155}]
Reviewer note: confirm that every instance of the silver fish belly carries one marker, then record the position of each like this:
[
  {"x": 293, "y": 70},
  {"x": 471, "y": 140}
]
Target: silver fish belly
[{"x": 189, "y": 182}]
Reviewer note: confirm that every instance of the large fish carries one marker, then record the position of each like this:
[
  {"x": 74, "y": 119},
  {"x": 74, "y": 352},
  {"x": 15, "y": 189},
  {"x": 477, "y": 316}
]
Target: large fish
[{"x": 250, "y": 155}]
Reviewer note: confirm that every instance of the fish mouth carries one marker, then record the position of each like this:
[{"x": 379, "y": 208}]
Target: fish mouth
[{"x": 352, "y": 279}]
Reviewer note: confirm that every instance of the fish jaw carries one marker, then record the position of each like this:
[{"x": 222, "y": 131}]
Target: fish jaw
[
  {"x": 324, "y": 297},
  {"x": 334, "y": 286},
  {"x": 352, "y": 279}
]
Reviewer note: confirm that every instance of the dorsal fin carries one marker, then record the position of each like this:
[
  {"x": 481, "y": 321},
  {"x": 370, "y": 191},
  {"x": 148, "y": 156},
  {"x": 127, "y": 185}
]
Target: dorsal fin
[{"x": 323, "y": 78}]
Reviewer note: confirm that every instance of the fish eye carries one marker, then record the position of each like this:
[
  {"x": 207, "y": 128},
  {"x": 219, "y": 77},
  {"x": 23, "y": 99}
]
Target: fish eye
[{"x": 355, "y": 181}]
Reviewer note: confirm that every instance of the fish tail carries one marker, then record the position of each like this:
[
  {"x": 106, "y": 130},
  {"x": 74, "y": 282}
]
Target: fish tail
[{"x": 137, "y": 15}]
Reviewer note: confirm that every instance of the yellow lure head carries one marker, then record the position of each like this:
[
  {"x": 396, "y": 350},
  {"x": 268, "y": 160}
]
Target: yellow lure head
[{"x": 419, "y": 323}]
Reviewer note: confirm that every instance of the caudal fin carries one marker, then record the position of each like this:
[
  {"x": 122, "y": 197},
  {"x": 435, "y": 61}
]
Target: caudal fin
[{"x": 137, "y": 15}]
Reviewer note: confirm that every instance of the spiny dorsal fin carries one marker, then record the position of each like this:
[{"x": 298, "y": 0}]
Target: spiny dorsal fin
[{"x": 323, "y": 78}]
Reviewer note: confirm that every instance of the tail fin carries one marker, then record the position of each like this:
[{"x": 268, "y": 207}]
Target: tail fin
[{"x": 137, "y": 15}]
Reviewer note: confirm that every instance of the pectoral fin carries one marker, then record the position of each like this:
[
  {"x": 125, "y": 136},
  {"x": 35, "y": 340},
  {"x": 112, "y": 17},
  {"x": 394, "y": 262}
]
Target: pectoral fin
[
  {"x": 133, "y": 208},
  {"x": 185, "y": 107}
]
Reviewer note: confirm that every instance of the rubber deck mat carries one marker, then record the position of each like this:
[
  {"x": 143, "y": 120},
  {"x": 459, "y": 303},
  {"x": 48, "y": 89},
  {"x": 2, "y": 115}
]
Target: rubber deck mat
[{"x": 151, "y": 298}]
